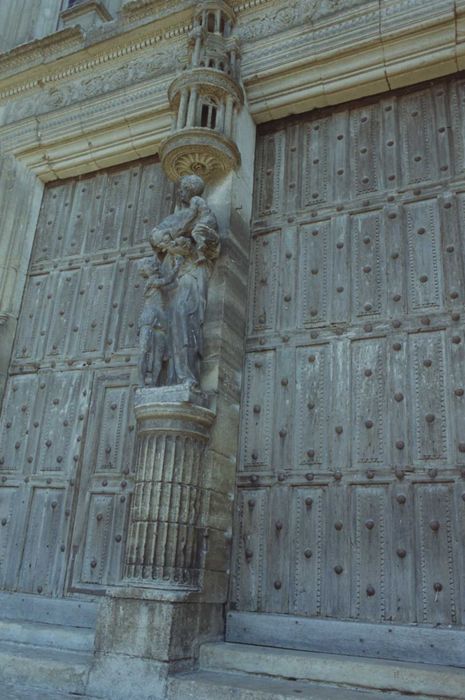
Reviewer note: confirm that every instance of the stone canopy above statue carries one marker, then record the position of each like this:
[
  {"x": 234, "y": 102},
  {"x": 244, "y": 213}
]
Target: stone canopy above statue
[{"x": 205, "y": 99}]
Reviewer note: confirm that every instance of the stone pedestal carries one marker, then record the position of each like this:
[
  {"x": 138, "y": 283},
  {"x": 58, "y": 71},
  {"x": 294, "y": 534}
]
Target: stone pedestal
[
  {"x": 166, "y": 530},
  {"x": 146, "y": 634},
  {"x": 152, "y": 625}
]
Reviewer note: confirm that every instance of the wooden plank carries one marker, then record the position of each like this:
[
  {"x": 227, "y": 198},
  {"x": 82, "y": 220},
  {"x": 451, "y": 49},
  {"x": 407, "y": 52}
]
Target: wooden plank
[
  {"x": 311, "y": 409},
  {"x": 264, "y": 283},
  {"x": 251, "y": 514},
  {"x": 258, "y": 411},
  {"x": 308, "y": 507},
  {"x": 313, "y": 274},
  {"x": 444, "y": 647}
]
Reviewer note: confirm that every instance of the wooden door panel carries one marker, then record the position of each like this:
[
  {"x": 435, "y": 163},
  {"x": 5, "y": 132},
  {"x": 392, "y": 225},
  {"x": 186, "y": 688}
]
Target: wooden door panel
[
  {"x": 368, "y": 265},
  {"x": 429, "y": 403},
  {"x": 30, "y": 336},
  {"x": 436, "y": 584},
  {"x": 61, "y": 409},
  {"x": 354, "y": 375},
  {"x": 316, "y": 163},
  {"x": 129, "y": 307},
  {"x": 371, "y": 534},
  {"x": 257, "y": 431},
  {"x": 10, "y": 504},
  {"x": 43, "y": 564},
  {"x": 416, "y": 121},
  {"x": 66, "y": 481},
  {"x": 368, "y": 372},
  {"x": 66, "y": 286},
  {"x": 336, "y": 564},
  {"x": 103, "y": 540},
  {"x": 313, "y": 367},
  {"x": 106, "y": 483},
  {"x": 424, "y": 269},
  {"x": 307, "y": 549},
  {"x": 276, "y": 572},
  {"x": 400, "y": 551},
  {"x": 313, "y": 274},
  {"x": 247, "y": 589},
  {"x": 265, "y": 283},
  {"x": 52, "y": 224}
]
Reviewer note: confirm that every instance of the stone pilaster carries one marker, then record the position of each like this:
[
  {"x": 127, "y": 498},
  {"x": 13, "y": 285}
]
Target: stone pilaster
[
  {"x": 20, "y": 197},
  {"x": 166, "y": 530}
]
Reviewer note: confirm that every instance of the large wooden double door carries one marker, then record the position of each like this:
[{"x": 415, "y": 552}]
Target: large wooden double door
[
  {"x": 66, "y": 428},
  {"x": 351, "y": 481}
]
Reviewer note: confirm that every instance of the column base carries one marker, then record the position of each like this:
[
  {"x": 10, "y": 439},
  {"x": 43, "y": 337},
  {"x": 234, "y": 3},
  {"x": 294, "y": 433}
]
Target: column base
[{"x": 144, "y": 635}]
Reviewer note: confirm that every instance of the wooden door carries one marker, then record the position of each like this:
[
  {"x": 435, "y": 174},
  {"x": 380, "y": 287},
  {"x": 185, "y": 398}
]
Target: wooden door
[
  {"x": 66, "y": 429},
  {"x": 351, "y": 482}
]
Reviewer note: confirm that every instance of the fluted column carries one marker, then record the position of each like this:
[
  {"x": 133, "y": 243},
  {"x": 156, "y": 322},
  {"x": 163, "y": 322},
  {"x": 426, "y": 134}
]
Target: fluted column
[
  {"x": 220, "y": 118},
  {"x": 192, "y": 107},
  {"x": 228, "y": 116},
  {"x": 165, "y": 536},
  {"x": 196, "y": 52}
]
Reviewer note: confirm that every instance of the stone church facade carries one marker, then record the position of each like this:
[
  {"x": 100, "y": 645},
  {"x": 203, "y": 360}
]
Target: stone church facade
[{"x": 232, "y": 364}]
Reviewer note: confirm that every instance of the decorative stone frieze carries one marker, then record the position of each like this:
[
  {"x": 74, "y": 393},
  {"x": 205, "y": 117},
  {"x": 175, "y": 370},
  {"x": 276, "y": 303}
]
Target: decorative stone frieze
[
  {"x": 205, "y": 99},
  {"x": 166, "y": 534}
]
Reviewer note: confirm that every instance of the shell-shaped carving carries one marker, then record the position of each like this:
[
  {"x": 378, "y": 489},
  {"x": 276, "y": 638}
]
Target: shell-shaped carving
[
  {"x": 195, "y": 162},
  {"x": 198, "y": 151}
]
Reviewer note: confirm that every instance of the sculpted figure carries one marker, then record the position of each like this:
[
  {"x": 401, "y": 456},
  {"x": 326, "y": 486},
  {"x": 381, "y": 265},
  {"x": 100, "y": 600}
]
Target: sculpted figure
[{"x": 184, "y": 244}]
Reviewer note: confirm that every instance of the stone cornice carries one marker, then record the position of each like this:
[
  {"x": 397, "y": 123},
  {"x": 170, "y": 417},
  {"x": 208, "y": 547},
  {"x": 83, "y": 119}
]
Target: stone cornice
[
  {"x": 40, "y": 51},
  {"x": 362, "y": 52}
]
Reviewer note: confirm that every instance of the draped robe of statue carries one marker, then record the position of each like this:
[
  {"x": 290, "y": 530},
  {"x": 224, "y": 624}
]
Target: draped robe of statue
[{"x": 185, "y": 244}]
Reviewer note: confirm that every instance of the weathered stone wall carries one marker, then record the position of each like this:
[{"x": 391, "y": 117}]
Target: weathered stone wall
[
  {"x": 20, "y": 197},
  {"x": 22, "y": 21}
]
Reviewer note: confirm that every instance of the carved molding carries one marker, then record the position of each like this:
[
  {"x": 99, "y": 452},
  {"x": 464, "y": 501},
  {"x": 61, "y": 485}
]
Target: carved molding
[
  {"x": 165, "y": 60},
  {"x": 208, "y": 80}
]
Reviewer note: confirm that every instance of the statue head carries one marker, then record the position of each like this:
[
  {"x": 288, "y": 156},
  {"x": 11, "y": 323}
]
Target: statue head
[
  {"x": 190, "y": 186},
  {"x": 147, "y": 267}
]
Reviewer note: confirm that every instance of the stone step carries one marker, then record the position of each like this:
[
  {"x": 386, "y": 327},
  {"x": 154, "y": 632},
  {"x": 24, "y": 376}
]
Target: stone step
[
  {"x": 21, "y": 692},
  {"x": 67, "y": 612},
  {"x": 47, "y": 635},
  {"x": 350, "y": 671},
  {"x": 44, "y": 667},
  {"x": 211, "y": 685}
]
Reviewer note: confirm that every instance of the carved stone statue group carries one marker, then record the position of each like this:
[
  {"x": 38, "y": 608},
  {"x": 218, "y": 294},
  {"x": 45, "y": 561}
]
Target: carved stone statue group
[{"x": 184, "y": 244}]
